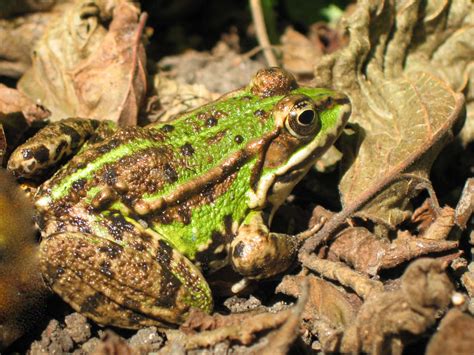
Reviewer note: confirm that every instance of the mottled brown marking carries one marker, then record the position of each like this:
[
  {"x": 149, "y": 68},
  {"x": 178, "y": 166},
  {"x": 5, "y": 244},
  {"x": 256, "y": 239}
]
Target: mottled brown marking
[
  {"x": 72, "y": 133},
  {"x": 238, "y": 250},
  {"x": 111, "y": 250},
  {"x": 104, "y": 268},
  {"x": 170, "y": 173},
  {"x": 61, "y": 148},
  {"x": 118, "y": 225},
  {"x": 217, "y": 137},
  {"x": 41, "y": 153},
  {"x": 108, "y": 145},
  {"x": 169, "y": 284},
  {"x": 110, "y": 175},
  {"x": 91, "y": 303},
  {"x": 187, "y": 149}
]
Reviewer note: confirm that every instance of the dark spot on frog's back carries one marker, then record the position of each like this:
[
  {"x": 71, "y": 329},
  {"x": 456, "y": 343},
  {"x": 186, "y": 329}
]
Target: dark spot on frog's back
[
  {"x": 187, "y": 149},
  {"x": 167, "y": 128},
  {"x": 54, "y": 274},
  {"x": 91, "y": 303},
  {"x": 238, "y": 139},
  {"x": 110, "y": 176},
  {"x": 61, "y": 146},
  {"x": 78, "y": 185},
  {"x": 105, "y": 268},
  {"x": 118, "y": 225},
  {"x": 169, "y": 283},
  {"x": 261, "y": 114},
  {"x": 211, "y": 122},
  {"x": 108, "y": 146},
  {"x": 72, "y": 133},
  {"x": 111, "y": 250},
  {"x": 170, "y": 173},
  {"x": 41, "y": 153}
]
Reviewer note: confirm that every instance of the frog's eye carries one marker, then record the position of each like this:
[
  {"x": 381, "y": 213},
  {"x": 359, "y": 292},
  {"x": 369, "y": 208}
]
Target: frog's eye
[{"x": 303, "y": 120}]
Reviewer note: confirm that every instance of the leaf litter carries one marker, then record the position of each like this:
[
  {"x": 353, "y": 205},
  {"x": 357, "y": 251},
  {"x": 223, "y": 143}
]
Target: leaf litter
[{"x": 362, "y": 286}]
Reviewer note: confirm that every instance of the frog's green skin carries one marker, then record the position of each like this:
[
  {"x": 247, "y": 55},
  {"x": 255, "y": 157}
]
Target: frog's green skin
[{"x": 130, "y": 223}]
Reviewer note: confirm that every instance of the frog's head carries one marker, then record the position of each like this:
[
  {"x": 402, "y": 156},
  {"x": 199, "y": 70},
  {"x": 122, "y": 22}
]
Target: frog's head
[{"x": 308, "y": 121}]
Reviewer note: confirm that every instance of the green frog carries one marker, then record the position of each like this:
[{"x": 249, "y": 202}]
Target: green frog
[{"x": 133, "y": 222}]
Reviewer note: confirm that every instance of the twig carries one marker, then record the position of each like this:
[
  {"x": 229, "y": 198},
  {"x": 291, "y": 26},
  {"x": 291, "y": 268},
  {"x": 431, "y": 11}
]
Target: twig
[{"x": 262, "y": 35}]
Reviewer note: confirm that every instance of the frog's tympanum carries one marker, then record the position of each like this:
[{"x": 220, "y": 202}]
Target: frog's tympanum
[{"x": 132, "y": 222}]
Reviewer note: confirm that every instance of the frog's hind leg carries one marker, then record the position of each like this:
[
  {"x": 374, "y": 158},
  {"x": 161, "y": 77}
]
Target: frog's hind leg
[
  {"x": 119, "y": 285},
  {"x": 58, "y": 140}
]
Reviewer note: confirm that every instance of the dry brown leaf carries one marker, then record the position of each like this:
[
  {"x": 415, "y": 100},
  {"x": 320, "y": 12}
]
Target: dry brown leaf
[
  {"x": 454, "y": 335},
  {"x": 325, "y": 301},
  {"x": 175, "y": 98},
  {"x": 405, "y": 116},
  {"x": 389, "y": 320},
  {"x": 298, "y": 52},
  {"x": 18, "y": 35},
  {"x": 367, "y": 253},
  {"x": 17, "y": 112},
  {"x": 243, "y": 328},
  {"x": 81, "y": 68}
]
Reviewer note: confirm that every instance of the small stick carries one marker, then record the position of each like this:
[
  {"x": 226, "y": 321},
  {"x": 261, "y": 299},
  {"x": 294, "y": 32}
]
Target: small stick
[{"x": 262, "y": 35}]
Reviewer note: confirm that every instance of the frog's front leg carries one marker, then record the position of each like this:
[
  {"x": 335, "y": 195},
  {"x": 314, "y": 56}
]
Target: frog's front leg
[
  {"x": 256, "y": 253},
  {"x": 119, "y": 285},
  {"x": 53, "y": 143}
]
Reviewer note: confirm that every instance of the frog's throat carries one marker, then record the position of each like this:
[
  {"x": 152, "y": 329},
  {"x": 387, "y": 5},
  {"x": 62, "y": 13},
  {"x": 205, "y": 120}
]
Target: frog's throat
[{"x": 301, "y": 160}]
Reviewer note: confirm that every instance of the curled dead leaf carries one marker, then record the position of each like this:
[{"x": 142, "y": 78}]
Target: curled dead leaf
[
  {"x": 388, "y": 320},
  {"x": 370, "y": 254},
  {"x": 454, "y": 335},
  {"x": 81, "y": 68},
  {"x": 325, "y": 301},
  {"x": 405, "y": 116}
]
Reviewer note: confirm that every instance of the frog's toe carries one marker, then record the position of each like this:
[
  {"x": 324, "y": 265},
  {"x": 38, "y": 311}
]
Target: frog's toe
[{"x": 118, "y": 285}]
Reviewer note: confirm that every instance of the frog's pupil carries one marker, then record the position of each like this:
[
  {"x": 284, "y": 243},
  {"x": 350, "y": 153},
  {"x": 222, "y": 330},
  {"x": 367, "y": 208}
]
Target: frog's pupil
[{"x": 306, "y": 117}]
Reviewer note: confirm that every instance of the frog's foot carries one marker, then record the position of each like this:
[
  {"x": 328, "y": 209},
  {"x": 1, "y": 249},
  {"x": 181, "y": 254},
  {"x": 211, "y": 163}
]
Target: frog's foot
[
  {"x": 118, "y": 285},
  {"x": 256, "y": 253},
  {"x": 50, "y": 146}
]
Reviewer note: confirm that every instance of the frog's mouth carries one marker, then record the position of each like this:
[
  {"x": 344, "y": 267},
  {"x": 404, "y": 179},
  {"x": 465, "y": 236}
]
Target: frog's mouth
[{"x": 275, "y": 187}]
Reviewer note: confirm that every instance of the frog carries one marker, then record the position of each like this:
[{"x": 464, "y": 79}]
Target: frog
[{"x": 134, "y": 222}]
